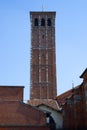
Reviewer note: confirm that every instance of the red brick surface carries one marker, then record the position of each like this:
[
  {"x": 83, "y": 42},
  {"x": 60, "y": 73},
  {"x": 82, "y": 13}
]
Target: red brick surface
[
  {"x": 13, "y": 93},
  {"x": 75, "y": 107},
  {"x": 73, "y": 111},
  {"x": 24, "y": 128},
  {"x": 43, "y": 59},
  {"x": 18, "y": 113}
]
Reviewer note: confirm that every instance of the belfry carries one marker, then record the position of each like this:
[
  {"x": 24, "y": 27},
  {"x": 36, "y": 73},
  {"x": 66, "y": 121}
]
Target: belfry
[{"x": 43, "y": 56}]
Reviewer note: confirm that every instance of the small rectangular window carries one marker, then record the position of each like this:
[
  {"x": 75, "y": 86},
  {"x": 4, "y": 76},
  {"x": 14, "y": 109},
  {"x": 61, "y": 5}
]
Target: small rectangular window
[
  {"x": 42, "y": 22},
  {"x": 49, "y": 22},
  {"x": 36, "y": 22}
]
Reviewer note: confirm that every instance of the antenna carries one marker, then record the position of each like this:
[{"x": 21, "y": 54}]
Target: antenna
[
  {"x": 72, "y": 84},
  {"x": 42, "y": 6}
]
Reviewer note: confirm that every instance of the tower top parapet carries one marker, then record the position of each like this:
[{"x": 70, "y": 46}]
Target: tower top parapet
[{"x": 43, "y": 12}]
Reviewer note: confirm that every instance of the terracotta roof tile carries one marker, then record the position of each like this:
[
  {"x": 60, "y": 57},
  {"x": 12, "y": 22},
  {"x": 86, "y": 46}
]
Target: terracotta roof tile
[
  {"x": 48, "y": 102},
  {"x": 62, "y": 98}
]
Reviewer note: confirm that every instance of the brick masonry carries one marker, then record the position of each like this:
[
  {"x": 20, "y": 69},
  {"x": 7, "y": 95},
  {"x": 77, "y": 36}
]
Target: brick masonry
[
  {"x": 75, "y": 106},
  {"x": 17, "y": 113},
  {"x": 43, "y": 56},
  {"x": 13, "y": 93},
  {"x": 24, "y": 127}
]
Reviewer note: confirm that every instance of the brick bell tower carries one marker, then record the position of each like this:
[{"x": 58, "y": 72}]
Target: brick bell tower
[{"x": 43, "y": 56}]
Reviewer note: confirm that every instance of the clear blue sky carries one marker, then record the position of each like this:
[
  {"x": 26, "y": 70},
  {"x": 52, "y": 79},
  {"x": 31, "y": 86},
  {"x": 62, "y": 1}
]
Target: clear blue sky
[{"x": 71, "y": 41}]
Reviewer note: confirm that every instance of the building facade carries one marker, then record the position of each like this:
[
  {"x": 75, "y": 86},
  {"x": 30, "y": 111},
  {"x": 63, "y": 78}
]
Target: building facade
[
  {"x": 74, "y": 104},
  {"x": 15, "y": 114}
]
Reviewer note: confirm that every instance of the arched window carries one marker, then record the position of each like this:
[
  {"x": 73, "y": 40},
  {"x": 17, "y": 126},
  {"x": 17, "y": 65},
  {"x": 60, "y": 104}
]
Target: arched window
[
  {"x": 42, "y": 22},
  {"x": 49, "y": 22},
  {"x": 36, "y": 22}
]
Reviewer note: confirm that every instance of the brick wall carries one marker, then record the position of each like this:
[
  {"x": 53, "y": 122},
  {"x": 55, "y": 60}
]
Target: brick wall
[
  {"x": 24, "y": 127},
  {"x": 73, "y": 110},
  {"x": 13, "y": 93},
  {"x": 18, "y": 113},
  {"x": 43, "y": 57}
]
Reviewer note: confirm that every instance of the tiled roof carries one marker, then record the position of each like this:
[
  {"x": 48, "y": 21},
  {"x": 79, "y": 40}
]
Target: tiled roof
[
  {"x": 62, "y": 98},
  {"x": 48, "y": 102}
]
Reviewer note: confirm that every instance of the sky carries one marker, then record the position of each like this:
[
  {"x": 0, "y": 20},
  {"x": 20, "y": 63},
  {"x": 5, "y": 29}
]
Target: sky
[{"x": 15, "y": 41}]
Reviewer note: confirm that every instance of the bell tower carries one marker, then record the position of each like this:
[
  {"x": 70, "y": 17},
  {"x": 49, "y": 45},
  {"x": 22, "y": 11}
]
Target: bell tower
[{"x": 43, "y": 56}]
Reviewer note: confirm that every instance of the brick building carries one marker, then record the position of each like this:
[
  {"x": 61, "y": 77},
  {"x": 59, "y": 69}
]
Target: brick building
[
  {"x": 43, "y": 60},
  {"x": 14, "y": 114},
  {"x": 84, "y": 86},
  {"x": 74, "y": 104},
  {"x": 43, "y": 88},
  {"x": 73, "y": 109}
]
